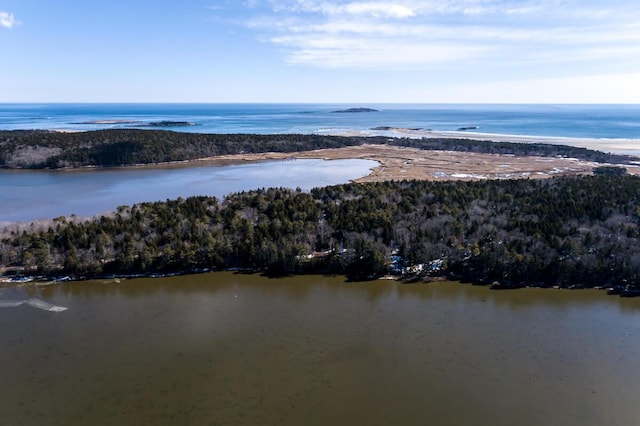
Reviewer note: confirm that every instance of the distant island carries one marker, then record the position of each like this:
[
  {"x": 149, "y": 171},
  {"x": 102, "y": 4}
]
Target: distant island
[
  {"x": 169, "y": 123},
  {"x": 138, "y": 123},
  {"x": 110, "y": 121},
  {"x": 390, "y": 128},
  {"x": 355, "y": 110}
]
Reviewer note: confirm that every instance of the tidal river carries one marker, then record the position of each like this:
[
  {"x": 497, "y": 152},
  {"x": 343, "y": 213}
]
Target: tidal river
[
  {"x": 26, "y": 195},
  {"x": 235, "y": 349}
]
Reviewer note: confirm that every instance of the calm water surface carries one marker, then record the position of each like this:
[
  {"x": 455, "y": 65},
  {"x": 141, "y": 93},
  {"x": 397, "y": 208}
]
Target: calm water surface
[
  {"x": 590, "y": 121},
  {"x": 26, "y": 195},
  {"x": 236, "y": 349}
]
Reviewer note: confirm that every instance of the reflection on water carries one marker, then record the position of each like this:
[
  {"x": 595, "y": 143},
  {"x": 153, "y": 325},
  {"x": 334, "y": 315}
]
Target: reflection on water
[
  {"x": 235, "y": 349},
  {"x": 26, "y": 195},
  {"x": 34, "y": 303}
]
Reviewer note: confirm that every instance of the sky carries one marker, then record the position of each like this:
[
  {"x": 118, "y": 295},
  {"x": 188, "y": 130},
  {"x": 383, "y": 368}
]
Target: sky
[{"x": 316, "y": 51}]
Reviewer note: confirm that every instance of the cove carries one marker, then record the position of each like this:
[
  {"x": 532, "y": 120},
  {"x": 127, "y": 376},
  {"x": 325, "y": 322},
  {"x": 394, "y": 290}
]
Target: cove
[{"x": 27, "y": 195}]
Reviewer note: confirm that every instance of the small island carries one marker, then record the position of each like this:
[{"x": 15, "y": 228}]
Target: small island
[
  {"x": 355, "y": 110},
  {"x": 169, "y": 123},
  {"x": 401, "y": 129},
  {"x": 110, "y": 121}
]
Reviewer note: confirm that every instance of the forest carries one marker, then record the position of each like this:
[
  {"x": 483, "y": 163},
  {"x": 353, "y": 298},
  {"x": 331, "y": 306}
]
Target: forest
[
  {"x": 579, "y": 231},
  {"x": 37, "y": 149}
]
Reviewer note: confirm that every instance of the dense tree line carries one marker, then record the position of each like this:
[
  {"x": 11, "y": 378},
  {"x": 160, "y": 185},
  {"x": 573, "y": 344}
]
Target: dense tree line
[
  {"x": 116, "y": 147},
  {"x": 520, "y": 149},
  {"x": 566, "y": 231},
  {"x": 131, "y": 146}
]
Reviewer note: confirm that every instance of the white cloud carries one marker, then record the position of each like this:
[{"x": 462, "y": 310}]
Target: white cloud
[
  {"x": 379, "y": 10},
  {"x": 603, "y": 88},
  {"x": 7, "y": 20},
  {"x": 336, "y": 52},
  {"x": 389, "y": 34}
]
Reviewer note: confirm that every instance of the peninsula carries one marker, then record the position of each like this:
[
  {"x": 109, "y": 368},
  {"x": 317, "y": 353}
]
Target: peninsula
[
  {"x": 38, "y": 149},
  {"x": 433, "y": 208}
]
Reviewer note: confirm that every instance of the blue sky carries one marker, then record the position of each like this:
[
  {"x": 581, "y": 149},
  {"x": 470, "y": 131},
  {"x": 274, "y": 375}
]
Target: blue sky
[{"x": 422, "y": 51}]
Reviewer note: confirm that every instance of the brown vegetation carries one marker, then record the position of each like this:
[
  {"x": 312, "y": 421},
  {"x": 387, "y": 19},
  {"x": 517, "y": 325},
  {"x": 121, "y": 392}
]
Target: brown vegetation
[{"x": 398, "y": 163}]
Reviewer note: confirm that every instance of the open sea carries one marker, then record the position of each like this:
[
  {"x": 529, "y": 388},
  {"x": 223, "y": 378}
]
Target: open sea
[{"x": 570, "y": 121}]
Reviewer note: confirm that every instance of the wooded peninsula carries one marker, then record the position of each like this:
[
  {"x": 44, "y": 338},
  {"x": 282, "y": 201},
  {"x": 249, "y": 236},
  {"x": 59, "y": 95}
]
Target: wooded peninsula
[
  {"x": 572, "y": 231},
  {"x": 39, "y": 149}
]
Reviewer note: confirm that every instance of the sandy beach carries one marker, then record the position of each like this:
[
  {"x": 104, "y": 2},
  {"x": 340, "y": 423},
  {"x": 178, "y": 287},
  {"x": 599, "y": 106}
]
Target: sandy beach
[{"x": 618, "y": 146}]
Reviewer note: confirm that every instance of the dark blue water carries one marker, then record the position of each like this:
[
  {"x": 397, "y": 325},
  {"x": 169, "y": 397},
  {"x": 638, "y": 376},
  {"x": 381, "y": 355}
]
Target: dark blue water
[{"x": 581, "y": 121}]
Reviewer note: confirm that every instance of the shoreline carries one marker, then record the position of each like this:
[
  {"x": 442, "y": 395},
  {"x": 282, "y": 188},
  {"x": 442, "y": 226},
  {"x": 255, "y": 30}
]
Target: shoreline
[
  {"x": 398, "y": 279},
  {"x": 394, "y": 163},
  {"x": 401, "y": 163},
  {"x": 609, "y": 145},
  {"x": 404, "y": 163}
]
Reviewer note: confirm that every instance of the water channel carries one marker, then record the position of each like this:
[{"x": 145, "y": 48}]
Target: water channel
[
  {"x": 26, "y": 195},
  {"x": 236, "y": 349}
]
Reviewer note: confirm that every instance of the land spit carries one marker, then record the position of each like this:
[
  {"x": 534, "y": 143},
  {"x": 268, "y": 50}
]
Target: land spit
[{"x": 398, "y": 163}]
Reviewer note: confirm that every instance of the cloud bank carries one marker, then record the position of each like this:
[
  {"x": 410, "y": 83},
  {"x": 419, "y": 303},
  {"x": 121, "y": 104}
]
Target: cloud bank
[{"x": 425, "y": 33}]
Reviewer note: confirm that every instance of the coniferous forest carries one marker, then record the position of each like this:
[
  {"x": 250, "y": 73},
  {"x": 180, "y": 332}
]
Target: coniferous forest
[
  {"x": 565, "y": 231},
  {"x": 37, "y": 149}
]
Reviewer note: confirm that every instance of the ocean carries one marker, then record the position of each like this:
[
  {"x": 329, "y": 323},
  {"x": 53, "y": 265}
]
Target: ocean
[{"x": 620, "y": 122}]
